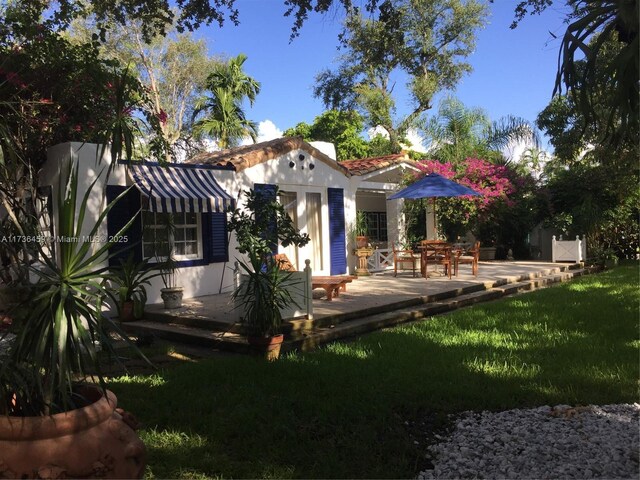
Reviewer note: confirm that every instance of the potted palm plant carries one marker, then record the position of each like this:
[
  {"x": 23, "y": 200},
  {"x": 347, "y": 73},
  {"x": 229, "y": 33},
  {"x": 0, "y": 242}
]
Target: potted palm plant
[
  {"x": 171, "y": 293},
  {"x": 130, "y": 280},
  {"x": 53, "y": 422},
  {"x": 361, "y": 230},
  {"x": 264, "y": 289}
]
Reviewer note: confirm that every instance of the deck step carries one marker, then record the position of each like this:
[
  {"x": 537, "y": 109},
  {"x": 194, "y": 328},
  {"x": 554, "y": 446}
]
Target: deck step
[
  {"x": 307, "y": 334},
  {"x": 221, "y": 340}
]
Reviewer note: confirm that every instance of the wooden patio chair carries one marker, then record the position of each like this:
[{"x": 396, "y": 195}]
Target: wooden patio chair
[
  {"x": 470, "y": 257},
  {"x": 402, "y": 257}
]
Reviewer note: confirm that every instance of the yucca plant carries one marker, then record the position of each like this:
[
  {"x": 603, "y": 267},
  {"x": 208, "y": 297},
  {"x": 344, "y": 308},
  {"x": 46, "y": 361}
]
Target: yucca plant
[
  {"x": 56, "y": 343},
  {"x": 263, "y": 294},
  {"x": 130, "y": 280},
  {"x": 265, "y": 289}
]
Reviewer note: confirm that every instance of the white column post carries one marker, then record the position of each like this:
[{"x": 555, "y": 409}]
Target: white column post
[{"x": 308, "y": 290}]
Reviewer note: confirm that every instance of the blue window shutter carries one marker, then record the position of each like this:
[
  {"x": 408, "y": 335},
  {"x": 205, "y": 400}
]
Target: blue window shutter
[
  {"x": 337, "y": 234},
  {"x": 214, "y": 237},
  {"x": 118, "y": 217},
  {"x": 267, "y": 193}
]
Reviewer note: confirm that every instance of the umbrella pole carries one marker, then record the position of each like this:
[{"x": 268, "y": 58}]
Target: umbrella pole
[{"x": 435, "y": 221}]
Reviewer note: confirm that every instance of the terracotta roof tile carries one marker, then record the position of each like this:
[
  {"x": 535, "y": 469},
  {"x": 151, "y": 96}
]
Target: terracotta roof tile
[
  {"x": 248, "y": 156},
  {"x": 368, "y": 165}
]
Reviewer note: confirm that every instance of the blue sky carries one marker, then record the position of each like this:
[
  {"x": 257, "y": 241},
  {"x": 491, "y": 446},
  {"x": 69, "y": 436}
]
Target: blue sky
[{"x": 514, "y": 70}]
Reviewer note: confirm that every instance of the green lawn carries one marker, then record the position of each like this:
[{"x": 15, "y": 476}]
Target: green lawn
[{"x": 351, "y": 410}]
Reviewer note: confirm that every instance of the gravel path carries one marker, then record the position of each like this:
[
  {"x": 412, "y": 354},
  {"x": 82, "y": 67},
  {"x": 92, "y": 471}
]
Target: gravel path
[{"x": 559, "y": 442}]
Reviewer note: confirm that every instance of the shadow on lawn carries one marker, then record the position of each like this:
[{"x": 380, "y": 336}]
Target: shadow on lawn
[{"x": 351, "y": 410}]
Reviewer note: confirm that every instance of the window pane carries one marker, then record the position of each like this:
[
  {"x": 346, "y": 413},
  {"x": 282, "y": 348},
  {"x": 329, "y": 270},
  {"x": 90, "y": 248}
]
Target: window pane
[
  {"x": 156, "y": 235},
  {"x": 191, "y": 248},
  {"x": 178, "y": 218},
  {"x": 148, "y": 235},
  {"x": 163, "y": 249},
  {"x": 162, "y": 218},
  {"x": 148, "y": 218},
  {"x": 190, "y": 234},
  {"x": 190, "y": 218},
  {"x": 147, "y": 250}
]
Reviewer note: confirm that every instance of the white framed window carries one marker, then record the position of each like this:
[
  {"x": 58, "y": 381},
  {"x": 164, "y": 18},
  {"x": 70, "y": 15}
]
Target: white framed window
[{"x": 183, "y": 229}]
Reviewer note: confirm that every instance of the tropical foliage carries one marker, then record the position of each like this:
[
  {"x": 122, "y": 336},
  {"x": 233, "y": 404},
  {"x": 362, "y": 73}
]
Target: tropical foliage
[
  {"x": 173, "y": 69},
  {"x": 57, "y": 338},
  {"x": 221, "y": 113},
  {"x": 591, "y": 24},
  {"x": 342, "y": 128},
  {"x": 504, "y": 213},
  {"x": 54, "y": 89},
  {"x": 259, "y": 227},
  {"x": 129, "y": 280},
  {"x": 593, "y": 182},
  {"x": 426, "y": 40},
  {"x": 458, "y": 132}
]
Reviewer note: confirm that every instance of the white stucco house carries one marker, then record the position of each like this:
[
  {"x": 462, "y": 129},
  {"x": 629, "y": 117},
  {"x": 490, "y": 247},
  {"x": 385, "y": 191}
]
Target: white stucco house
[{"x": 320, "y": 194}]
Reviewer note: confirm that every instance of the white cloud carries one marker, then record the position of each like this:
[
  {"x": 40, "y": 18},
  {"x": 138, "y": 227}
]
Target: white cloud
[
  {"x": 267, "y": 130},
  {"x": 412, "y": 136},
  {"x": 374, "y": 132},
  {"x": 416, "y": 141}
]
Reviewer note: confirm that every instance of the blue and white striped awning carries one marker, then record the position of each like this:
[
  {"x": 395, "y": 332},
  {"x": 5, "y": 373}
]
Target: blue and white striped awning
[{"x": 180, "y": 189}]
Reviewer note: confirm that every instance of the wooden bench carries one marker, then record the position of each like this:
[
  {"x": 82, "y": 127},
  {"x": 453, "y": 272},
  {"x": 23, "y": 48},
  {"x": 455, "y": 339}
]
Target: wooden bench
[{"x": 331, "y": 285}]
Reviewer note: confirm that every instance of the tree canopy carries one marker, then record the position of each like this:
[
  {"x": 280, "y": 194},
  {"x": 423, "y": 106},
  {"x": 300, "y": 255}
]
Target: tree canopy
[
  {"x": 591, "y": 25},
  {"x": 457, "y": 132},
  {"x": 427, "y": 40},
  {"x": 173, "y": 69},
  {"x": 342, "y": 128},
  {"x": 221, "y": 114}
]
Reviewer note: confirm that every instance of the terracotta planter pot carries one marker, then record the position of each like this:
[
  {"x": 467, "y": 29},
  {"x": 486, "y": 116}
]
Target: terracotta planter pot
[
  {"x": 267, "y": 347},
  {"x": 172, "y": 297},
  {"x": 362, "y": 241},
  {"x": 126, "y": 311},
  {"x": 96, "y": 441}
]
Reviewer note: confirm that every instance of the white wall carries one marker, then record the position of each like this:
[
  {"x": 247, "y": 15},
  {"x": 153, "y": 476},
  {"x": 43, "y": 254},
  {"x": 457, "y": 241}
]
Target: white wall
[
  {"x": 216, "y": 277},
  {"x": 300, "y": 181}
]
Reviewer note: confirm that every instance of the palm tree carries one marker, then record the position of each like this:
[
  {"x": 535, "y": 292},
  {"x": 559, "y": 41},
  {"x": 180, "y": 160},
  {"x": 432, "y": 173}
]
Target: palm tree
[
  {"x": 458, "y": 132},
  {"x": 224, "y": 119}
]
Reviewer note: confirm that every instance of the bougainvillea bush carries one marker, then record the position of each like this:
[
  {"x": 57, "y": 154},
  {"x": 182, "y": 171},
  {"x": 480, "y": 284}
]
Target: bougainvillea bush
[{"x": 504, "y": 213}]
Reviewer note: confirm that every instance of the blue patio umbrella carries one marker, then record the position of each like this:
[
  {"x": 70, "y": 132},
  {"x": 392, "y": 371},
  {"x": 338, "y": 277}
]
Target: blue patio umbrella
[{"x": 433, "y": 186}]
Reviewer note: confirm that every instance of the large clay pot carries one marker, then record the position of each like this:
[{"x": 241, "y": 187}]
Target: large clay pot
[
  {"x": 172, "y": 297},
  {"x": 267, "y": 347},
  {"x": 96, "y": 441},
  {"x": 126, "y": 311}
]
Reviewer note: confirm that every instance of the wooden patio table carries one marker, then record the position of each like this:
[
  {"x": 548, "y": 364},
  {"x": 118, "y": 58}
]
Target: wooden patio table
[{"x": 437, "y": 252}]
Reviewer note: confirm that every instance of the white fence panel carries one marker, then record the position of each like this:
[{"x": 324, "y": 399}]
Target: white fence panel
[
  {"x": 381, "y": 259},
  {"x": 568, "y": 250}
]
